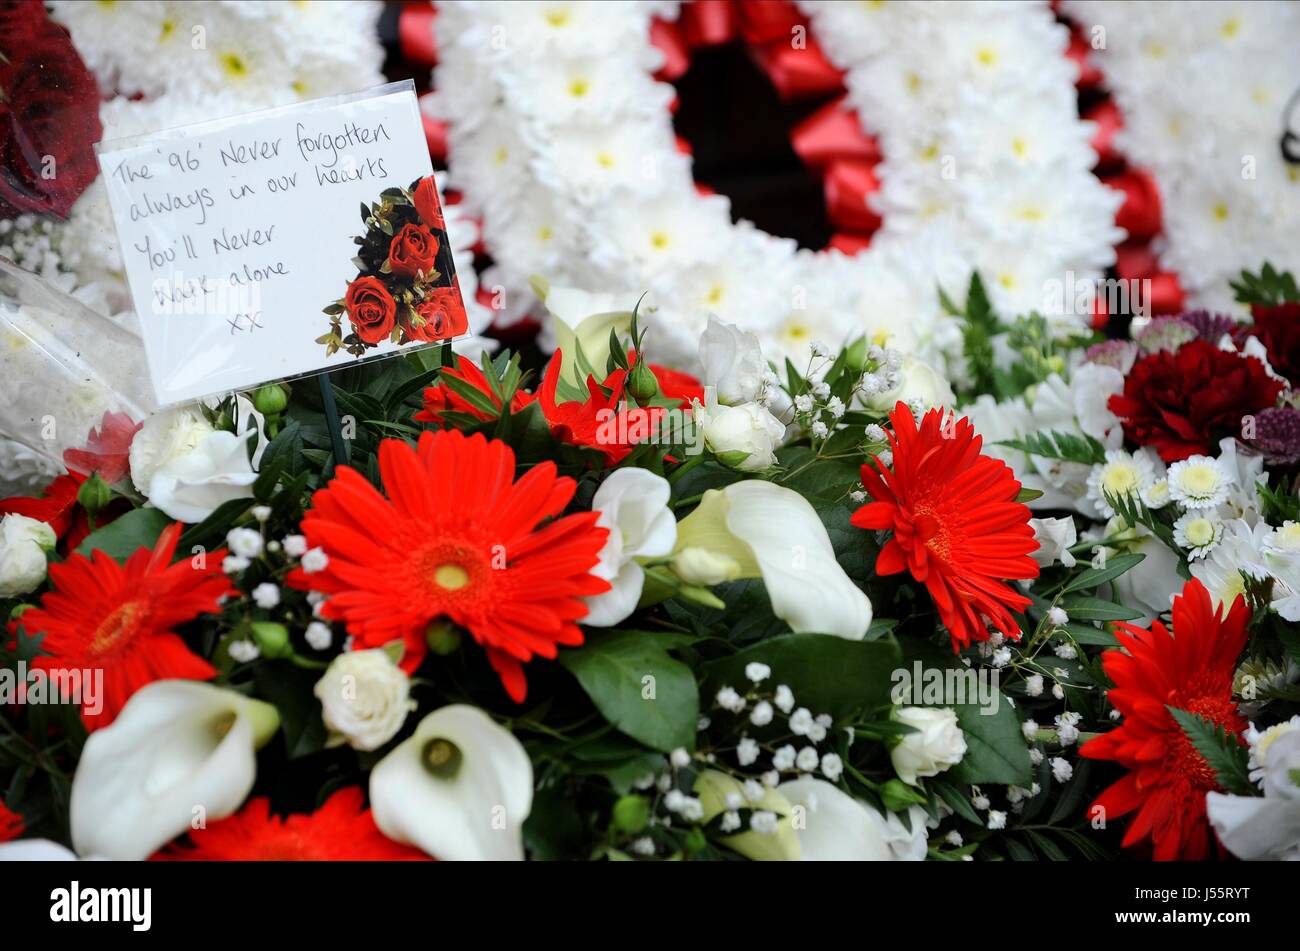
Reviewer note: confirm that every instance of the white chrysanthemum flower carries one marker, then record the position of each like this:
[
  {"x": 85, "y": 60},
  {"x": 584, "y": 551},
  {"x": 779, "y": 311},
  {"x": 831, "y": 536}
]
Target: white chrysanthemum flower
[
  {"x": 1121, "y": 476},
  {"x": 1199, "y": 482},
  {"x": 1285, "y": 538},
  {"x": 1197, "y": 532},
  {"x": 1237, "y": 556},
  {"x": 1156, "y": 495}
]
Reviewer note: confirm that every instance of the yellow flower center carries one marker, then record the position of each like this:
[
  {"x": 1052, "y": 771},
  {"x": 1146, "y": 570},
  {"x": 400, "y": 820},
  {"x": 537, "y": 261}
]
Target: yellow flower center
[{"x": 451, "y": 576}]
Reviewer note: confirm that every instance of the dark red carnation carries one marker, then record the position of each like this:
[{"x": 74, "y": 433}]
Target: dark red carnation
[
  {"x": 49, "y": 115},
  {"x": 427, "y": 205},
  {"x": 1278, "y": 329},
  {"x": 1181, "y": 403},
  {"x": 371, "y": 309},
  {"x": 414, "y": 251}
]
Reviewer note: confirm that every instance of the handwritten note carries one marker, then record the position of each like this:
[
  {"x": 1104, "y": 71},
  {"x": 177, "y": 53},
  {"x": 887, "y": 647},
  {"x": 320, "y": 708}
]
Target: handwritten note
[{"x": 235, "y": 233}]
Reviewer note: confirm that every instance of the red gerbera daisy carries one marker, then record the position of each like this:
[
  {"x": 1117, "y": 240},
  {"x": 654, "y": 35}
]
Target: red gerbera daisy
[
  {"x": 120, "y": 619},
  {"x": 457, "y": 537},
  {"x": 1190, "y": 670},
  {"x": 341, "y": 830},
  {"x": 957, "y": 526},
  {"x": 11, "y": 824},
  {"x": 56, "y": 507}
]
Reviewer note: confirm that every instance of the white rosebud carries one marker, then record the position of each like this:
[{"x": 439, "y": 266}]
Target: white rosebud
[
  {"x": 364, "y": 698},
  {"x": 748, "y": 434},
  {"x": 733, "y": 362},
  {"x": 23, "y": 545},
  {"x": 937, "y": 744}
]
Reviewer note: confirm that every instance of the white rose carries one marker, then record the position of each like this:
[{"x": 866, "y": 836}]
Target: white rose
[
  {"x": 633, "y": 505},
  {"x": 937, "y": 744},
  {"x": 749, "y": 429},
  {"x": 733, "y": 362},
  {"x": 1054, "y": 537},
  {"x": 23, "y": 544},
  {"x": 921, "y": 382},
  {"x": 364, "y": 698},
  {"x": 187, "y": 468},
  {"x": 699, "y": 566}
]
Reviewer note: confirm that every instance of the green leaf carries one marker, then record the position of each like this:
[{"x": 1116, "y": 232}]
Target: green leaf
[
  {"x": 637, "y": 687},
  {"x": 1113, "y": 568},
  {"x": 1028, "y": 495},
  {"x": 1068, "y": 447},
  {"x": 1222, "y": 751},
  {"x": 289, "y": 689},
  {"x": 1097, "y": 609},
  {"x": 122, "y": 537},
  {"x": 1087, "y": 634},
  {"x": 1269, "y": 288},
  {"x": 827, "y": 674}
]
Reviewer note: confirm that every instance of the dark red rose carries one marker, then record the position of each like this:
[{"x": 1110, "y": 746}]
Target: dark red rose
[
  {"x": 1182, "y": 402},
  {"x": 443, "y": 314},
  {"x": 427, "y": 205},
  {"x": 371, "y": 309},
  {"x": 1278, "y": 329},
  {"x": 414, "y": 250},
  {"x": 49, "y": 116}
]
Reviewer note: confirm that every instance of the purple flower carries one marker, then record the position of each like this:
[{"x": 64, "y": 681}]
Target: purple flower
[
  {"x": 1277, "y": 435},
  {"x": 1165, "y": 333},
  {"x": 1209, "y": 326},
  {"x": 1119, "y": 354}
]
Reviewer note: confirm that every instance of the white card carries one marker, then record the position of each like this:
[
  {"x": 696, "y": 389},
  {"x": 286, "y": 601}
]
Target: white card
[{"x": 239, "y": 235}]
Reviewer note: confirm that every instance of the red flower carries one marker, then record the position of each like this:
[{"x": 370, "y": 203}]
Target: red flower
[
  {"x": 341, "y": 830},
  {"x": 957, "y": 526},
  {"x": 11, "y": 824},
  {"x": 1182, "y": 403},
  {"x": 458, "y": 538},
  {"x": 441, "y": 398},
  {"x": 49, "y": 116},
  {"x": 413, "y": 252},
  {"x": 677, "y": 385},
  {"x": 121, "y": 619},
  {"x": 1190, "y": 670},
  {"x": 107, "y": 450},
  {"x": 1278, "y": 329},
  {"x": 443, "y": 313},
  {"x": 427, "y": 205},
  {"x": 371, "y": 309},
  {"x": 603, "y": 421},
  {"x": 57, "y": 507}
]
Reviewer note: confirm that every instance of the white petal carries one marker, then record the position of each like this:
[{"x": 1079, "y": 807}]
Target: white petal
[
  {"x": 478, "y": 812},
  {"x": 143, "y": 779},
  {"x": 618, "y": 603},
  {"x": 807, "y": 586},
  {"x": 1255, "y": 828},
  {"x": 637, "y": 502},
  {"x": 35, "y": 850},
  {"x": 836, "y": 827}
]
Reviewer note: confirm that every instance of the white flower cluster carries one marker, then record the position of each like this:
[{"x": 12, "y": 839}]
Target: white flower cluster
[
  {"x": 1203, "y": 89},
  {"x": 561, "y": 136}
]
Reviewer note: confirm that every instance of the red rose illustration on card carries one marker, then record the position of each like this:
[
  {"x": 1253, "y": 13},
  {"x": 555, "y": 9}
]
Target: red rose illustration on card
[{"x": 406, "y": 289}]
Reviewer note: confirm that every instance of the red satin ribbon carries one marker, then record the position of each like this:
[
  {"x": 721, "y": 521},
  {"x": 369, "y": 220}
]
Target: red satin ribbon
[
  {"x": 1109, "y": 121},
  {"x": 710, "y": 22},
  {"x": 415, "y": 33},
  {"x": 833, "y": 132},
  {"x": 1079, "y": 49},
  {"x": 798, "y": 73},
  {"x": 848, "y": 183},
  {"x": 849, "y": 244},
  {"x": 1140, "y": 213}
]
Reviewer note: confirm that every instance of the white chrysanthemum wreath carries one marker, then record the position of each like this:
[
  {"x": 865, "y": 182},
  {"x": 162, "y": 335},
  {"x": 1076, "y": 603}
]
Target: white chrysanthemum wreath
[
  {"x": 1203, "y": 89},
  {"x": 563, "y": 139}
]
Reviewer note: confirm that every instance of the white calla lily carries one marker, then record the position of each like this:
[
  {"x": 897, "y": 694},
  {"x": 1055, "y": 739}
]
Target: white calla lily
[
  {"x": 633, "y": 505},
  {"x": 176, "y": 747},
  {"x": 35, "y": 850},
  {"x": 583, "y": 320},
  {"x": 460, "y": 788},
  {"x": 832, "y": 826},
  {"x": 773, "y": 533}
]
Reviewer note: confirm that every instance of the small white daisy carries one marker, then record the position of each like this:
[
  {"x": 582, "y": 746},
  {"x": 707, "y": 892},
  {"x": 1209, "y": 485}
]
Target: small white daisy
[
  {"x": 1121, "y": 476},
  {"x": 1199, "y": 482},
  {"x": 1197, "y": 533},
  {"x": 1156, "y": 495}
]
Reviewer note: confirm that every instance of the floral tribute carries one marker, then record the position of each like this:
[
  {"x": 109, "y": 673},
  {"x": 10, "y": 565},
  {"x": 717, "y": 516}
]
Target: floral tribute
[{"x": 406, "y": 289}]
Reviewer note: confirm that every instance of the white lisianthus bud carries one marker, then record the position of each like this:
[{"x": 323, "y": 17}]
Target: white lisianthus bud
[
  {"x": 1055, "y": 536},
  {"x": 699, "y": 566},
  {"x": 744, "y": 437},
  {"x": 937, "y": 744},
  {"x": 364, "y": 698},
  {"x": 23, "y": 544},
  {"x": 733, "y": 362},
  {"x": 920, "y": 383}
]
